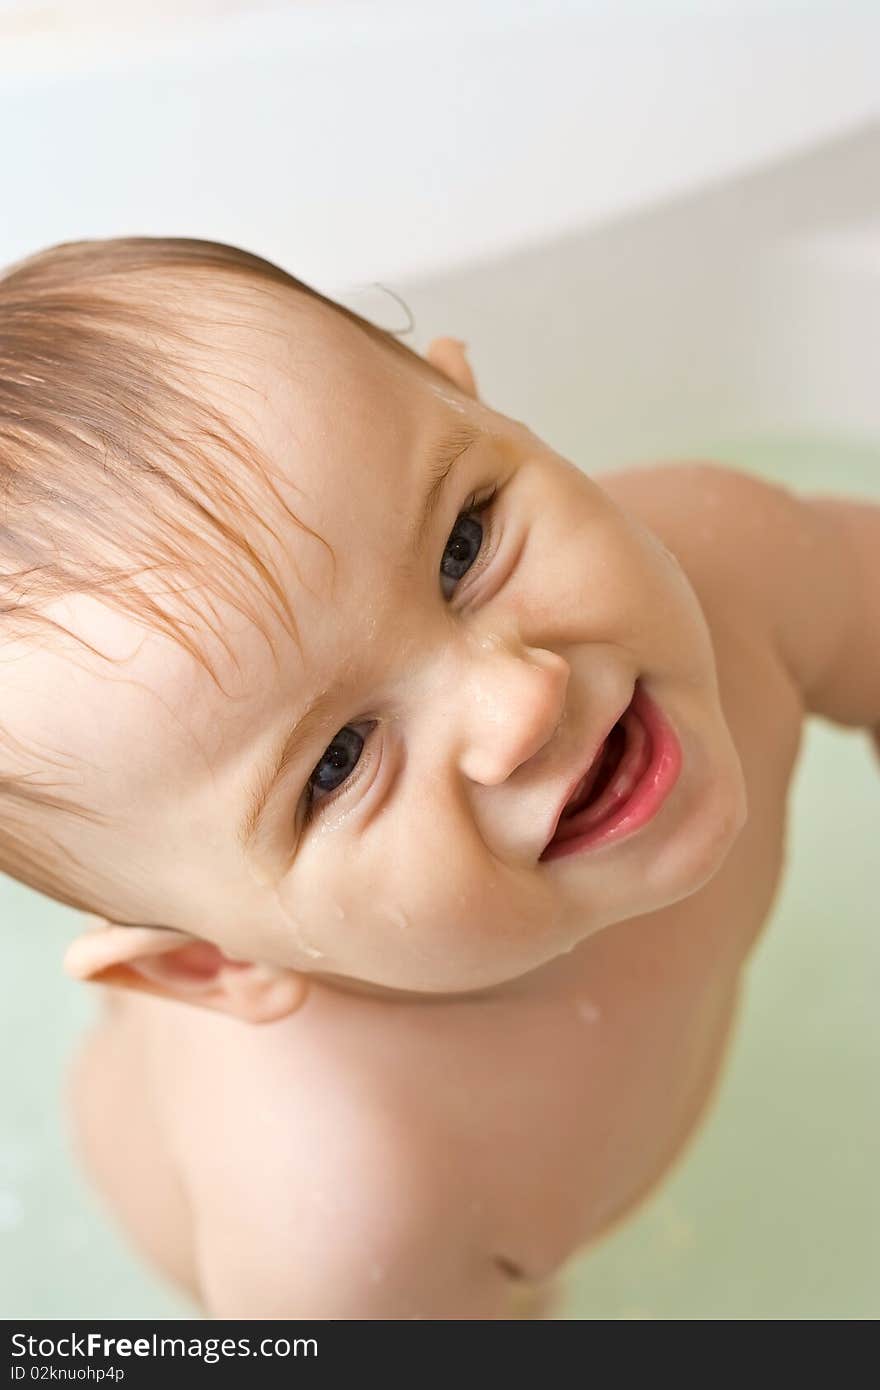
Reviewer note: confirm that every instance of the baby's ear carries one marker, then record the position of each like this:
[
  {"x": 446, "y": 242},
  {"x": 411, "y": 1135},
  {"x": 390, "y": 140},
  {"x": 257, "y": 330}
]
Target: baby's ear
[
  {"x": 449, "y": 356},
  {"x": 175, "y": 965}
]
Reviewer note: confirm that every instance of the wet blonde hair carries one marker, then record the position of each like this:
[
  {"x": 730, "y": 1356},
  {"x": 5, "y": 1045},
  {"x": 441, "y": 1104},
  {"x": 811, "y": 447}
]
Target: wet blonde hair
[{"x": 113, "y": 469}]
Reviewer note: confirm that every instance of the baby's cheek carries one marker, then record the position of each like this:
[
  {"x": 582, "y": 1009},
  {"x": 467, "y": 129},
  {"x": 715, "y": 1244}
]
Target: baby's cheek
[
  {"x": 424, "y": 905},
  {"x": 484, "y": 919}
]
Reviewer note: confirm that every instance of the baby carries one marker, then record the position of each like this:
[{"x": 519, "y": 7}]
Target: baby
[{"x": 344, "y": 706}]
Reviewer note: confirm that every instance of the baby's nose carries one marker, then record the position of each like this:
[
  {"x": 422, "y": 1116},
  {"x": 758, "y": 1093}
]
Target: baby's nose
[{"x": 515, "y": 703}]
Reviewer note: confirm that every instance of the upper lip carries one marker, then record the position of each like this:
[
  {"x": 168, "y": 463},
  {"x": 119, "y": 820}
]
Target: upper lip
[{"x": 584, "y": 766}]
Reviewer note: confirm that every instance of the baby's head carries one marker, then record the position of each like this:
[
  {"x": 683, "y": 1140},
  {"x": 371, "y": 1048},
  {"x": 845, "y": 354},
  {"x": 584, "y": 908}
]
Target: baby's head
[{"x": 285, "y": 694}]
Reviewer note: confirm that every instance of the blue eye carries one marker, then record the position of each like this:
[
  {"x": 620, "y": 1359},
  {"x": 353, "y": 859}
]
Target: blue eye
[
  {"x": 338, "y": 761},
  {"x": 465, "y": 542},
  {"x": 462, "y": 548},
  {"x": 342, "y": 754}
]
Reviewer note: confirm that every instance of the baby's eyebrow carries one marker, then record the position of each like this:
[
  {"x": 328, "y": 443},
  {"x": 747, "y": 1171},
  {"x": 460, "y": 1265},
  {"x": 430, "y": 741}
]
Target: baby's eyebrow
[
  {"x": 442, "y": 458},
  {"x": 280, "y": 757}
]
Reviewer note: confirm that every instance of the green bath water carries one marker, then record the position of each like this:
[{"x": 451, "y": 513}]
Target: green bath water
[{"x": 772, "y": 1213}]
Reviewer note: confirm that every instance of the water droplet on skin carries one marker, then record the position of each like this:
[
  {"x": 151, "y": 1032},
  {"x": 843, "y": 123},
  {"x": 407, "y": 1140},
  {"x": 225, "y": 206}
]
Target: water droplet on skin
[
  {"x": 399, "y": 919},
  {"x": 451, "y": 401},
  {"x": 340, "y": 911},
  {"x": 587, "y": 1011},
  {"x": 313, "y": 952}
]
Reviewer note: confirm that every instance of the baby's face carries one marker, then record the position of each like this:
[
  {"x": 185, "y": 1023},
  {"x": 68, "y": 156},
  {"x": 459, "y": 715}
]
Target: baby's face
[{"x": 452, "y": 694}]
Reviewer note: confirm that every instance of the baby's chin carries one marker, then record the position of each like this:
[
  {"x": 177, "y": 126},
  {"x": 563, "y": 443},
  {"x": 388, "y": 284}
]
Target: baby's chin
[
  {"x": 371, "y": 989},
  {"x": 491, "y": 979}
]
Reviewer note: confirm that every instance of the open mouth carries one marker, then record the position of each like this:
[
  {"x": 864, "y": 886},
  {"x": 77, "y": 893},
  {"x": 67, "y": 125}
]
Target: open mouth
[
  {"x": 615, "y": 770},
  {"x": 628, "y": 779}
]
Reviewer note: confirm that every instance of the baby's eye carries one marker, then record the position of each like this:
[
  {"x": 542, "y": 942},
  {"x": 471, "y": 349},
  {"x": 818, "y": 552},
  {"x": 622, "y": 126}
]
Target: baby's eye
[
  {"x": 338, "y": 762},
  {"x": 464, "y": 543}
]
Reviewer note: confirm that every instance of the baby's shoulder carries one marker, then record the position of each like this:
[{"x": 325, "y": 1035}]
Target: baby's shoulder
[
  {"x": 722, "y": 525},
  {"x": 722, "y": 528},
  {"x": 757, "y": 555},
  {"x": 734, "y": 536}
]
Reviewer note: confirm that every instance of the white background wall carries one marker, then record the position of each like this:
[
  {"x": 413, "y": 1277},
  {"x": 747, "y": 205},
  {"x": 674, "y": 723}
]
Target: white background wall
[{"x": 356, "y": 141}]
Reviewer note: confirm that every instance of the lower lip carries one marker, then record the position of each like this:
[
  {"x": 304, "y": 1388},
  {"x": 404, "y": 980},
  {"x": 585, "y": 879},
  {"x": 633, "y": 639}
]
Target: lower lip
[{"x": 646, "y": 797}]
